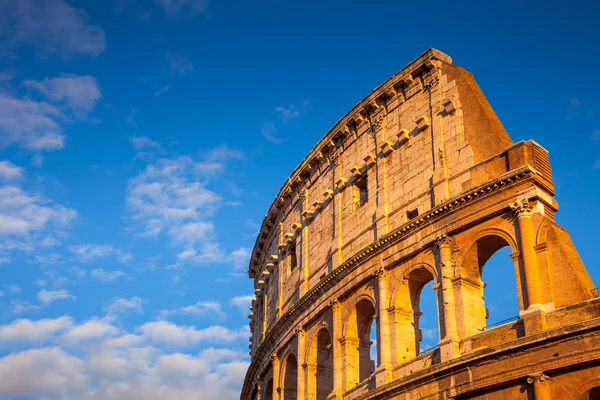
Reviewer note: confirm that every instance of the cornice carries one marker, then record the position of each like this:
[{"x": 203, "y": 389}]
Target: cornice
[{"x": 259, "y": 359}]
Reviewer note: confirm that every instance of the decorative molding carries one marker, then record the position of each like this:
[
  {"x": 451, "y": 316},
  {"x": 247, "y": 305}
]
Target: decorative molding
[
  {"x": 449, "y": 106},
  {"x": 379, "y": 273},
  {"x": 308, "y": 215},
  {"x": 537, "y": 377},
  {"x": 356, "y": 171},
  {"x": 522, "y": 208},
  {"x": 403, "y": 136},
  {"x": 422, "y": 123},
  {"x": 318, "y": 205},
  {"x": 387, "y": 147},
  {"x": 341, "y": 183},
  {"x": 443, "y": 240},
  {"x": 370, "y": 160}
]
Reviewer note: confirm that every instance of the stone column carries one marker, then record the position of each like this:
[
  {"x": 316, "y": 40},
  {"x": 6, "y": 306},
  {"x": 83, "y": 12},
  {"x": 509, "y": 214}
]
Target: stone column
[
  {"x": 301, "y": 336},
  {"x": 338, "y": 377},
  {"x": 350, "y": 360},
  {"x": 276, "y": 364},
  {"x": 523, "y": 210},
  {"x": 541, "y": 386},
  {"x": 449, "y": 343},
  {"x": 384, "y": 372}
]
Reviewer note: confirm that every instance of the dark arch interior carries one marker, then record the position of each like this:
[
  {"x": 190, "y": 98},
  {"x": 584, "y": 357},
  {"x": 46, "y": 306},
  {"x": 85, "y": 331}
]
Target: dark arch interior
[
  {"x": 324, "y": 365},
  {"x": 290, "y": 380},
  {"x": 592, "y": 394},
  {"x": 269, "y": 390}
]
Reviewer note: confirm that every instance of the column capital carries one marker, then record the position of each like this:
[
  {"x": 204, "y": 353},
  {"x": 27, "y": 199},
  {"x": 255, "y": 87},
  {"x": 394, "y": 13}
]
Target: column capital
[
  {"x": 273, "y": 358},
  {"x": 334, "y": 304},
  {"x": 443, "y": 240},
  {"x": 299, "y": 331},
  {"x": 521, "y": 208},
  {"x": 537, "y": 377},
  {"x": 380, "y": 273}
]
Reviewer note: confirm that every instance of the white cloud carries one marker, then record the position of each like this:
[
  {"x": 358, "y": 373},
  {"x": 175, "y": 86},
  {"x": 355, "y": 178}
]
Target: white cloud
[
  {"x": 141, "y": 142},
  {"x": 123, "y": 304},
  {"x": 183, "y": 6},
  {"x": 91, "y": 252},
  {"x": 76, "y": 93},
  {"x": 48, "y": 296},
  {"x": 9, "y": 171},
  {"x": 22, "y": 214},
  {"x": 169, "y": 196},
  {"x": 165, "y": 332},
  {"x": 37, "y": 125},
  {"x": 53, "y": 27},
  {"x": 162, "y": 90},
  {"x": 240, "y": 257},
  {"x": 179, "y": 64},
  {"x": 14, "y": 289},
  {"x": 242, "y": 303},
  {"x": 47, "y": 373},
  {"x": 114, "y": 365},
  {"x": 92, "y": 329},
  {"x": 268, "y": 131},
  {"x": 286, "y": 114},
  {"x": 25, "y": 330},
  {"x": 199, "y": 309},
  {"x": 30, "y": 124},
  {"x": 108, "y": 276}
]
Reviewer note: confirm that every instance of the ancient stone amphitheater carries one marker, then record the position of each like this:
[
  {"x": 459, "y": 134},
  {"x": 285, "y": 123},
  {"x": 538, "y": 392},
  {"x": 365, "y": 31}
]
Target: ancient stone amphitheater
[{"x": 419, "y": 182}]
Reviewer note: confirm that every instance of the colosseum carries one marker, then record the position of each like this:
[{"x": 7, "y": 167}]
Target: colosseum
[{"x": 419, "y": 183}]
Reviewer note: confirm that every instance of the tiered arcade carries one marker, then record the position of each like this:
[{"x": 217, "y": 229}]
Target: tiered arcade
[{"x": 419, "y": 182}]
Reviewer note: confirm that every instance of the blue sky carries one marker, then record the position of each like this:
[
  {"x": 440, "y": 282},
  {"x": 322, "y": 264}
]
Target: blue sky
[{"x": 142, "y": 141}]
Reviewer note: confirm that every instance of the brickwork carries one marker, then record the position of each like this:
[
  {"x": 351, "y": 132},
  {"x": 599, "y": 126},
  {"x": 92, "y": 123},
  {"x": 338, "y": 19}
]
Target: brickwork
[{"x": 419, "y": 182}]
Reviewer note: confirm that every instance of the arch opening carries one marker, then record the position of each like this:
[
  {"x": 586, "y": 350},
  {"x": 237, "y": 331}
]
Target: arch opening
[
  {"x": 486, "y": 305},
  {"x": 365, "y": 320},
  {"x": 324, "y": 370},
  {"x": 423, "y": 301},
  {"x": 269, "y": 390},
  {"x": 290, "y": 378},
  {"x": 592, "y": 394},
  {"x": 500, "y": 293}
]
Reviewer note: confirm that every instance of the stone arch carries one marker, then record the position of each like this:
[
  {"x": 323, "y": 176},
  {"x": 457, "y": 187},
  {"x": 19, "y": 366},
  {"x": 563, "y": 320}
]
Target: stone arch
[
  {"x": 542, "y": 233},
  {"x": 406, "y": 309},
  {"x": 589, "y": 390},
  {"x": 502, "y": 234},
  {"x": 357, "y": 341},
  {"x": 468, "y": 284},
  {"x": 320, "y": 364},
  {"x": 288, "y": 380}
]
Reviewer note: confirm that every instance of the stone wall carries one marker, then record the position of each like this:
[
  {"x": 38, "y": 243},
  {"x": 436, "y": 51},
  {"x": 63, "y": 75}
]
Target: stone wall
[{"x": 419, "y": 182}]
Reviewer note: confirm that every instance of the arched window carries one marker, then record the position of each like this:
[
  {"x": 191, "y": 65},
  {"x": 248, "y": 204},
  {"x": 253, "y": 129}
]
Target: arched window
[
  {"x": 488, "y": 257},
  {"x": 324, "y": 372},
  {"x": 423, "y": 303},
  {"x": 499, "y": 293},
  {"x": 375, "y": 357},
  {"x": 365, "y": 316},
  {"x": 427, "y": 323},
  {"x": 290, "y": 378}
]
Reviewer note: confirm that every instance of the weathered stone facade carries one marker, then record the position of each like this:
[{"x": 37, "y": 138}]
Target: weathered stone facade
[{"x": 419, "y": 182}]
